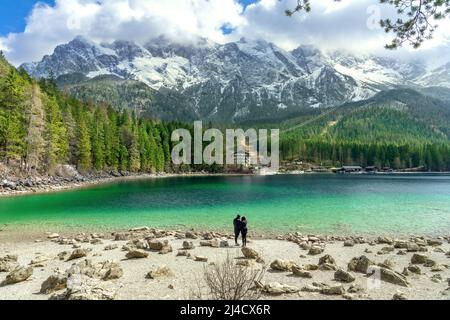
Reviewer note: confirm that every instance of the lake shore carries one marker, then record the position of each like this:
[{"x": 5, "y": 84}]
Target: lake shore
[
  {"x": 56, "y": 184},
  {"x": 51, "y": 184},
  {"x": 297, "y": 266}
]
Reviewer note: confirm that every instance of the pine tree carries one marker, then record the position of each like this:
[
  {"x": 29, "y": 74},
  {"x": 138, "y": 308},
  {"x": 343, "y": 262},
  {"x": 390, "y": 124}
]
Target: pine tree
[
  {"x": 123, "y": 159},
  {"x": 144, "y": 149},
  {"x": 98, "y": 140},
  {"x": 71, "y": 127},
  {"x": 13, "y": 124},
  {"x": 135, "y": 158},
  {"x": 112, "y": 141},
  {"x": 84, "y": 145},
  {"x": 36, "y": 128},
  {"x": 57, "y": 143}
]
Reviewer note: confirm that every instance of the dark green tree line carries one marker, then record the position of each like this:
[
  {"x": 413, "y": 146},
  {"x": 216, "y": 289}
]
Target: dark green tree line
[{"x": 41, "y": 128}]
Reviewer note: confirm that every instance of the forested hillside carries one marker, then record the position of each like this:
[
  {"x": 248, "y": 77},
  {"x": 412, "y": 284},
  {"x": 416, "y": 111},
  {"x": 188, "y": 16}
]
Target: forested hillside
[
  {"x": 398, "y": 129},
  {"x": 40, "y": 128}
]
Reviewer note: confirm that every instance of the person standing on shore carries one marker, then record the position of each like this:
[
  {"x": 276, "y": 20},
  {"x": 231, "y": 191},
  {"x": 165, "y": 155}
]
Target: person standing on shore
[
  {"x": 244, "y": 231},
  {"x": 237, "y": 229}
]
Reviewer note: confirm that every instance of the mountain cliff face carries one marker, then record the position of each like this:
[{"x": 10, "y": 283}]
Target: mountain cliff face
[{"x": 234, "y": 82}]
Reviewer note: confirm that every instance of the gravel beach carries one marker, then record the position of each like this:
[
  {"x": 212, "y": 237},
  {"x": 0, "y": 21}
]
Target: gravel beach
[{"x": 146, "y": 263}]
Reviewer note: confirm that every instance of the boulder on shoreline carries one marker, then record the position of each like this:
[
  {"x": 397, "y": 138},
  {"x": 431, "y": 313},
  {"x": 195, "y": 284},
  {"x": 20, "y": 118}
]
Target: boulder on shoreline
[
  {"x": 388, "y": 276},
  {"x": 327, "y": 259},
  {"x": 343, "y": 276},
  {"x": 201, "y": 259},
  {"x": 333, "y": 290},
  {"x": 136, "y": 254},
  {"x": 122, "y": 236},
  {"x": 55, "y": 282},
  {"x": 166, "y": 249},
  {"x": 388, "y": 264},
  {"x": 418, "y": 258},
  {"x": 114, "y": 271},
  {"x": 349, "y": 243},
  {"x": 315, "y": 250},
  {"x": 282, "y": 265},
  {"x": 250, "y": 253},
  {"x": 139, "y": 229},
  {"x": 434, "y": 242},
  {"x": 160, "y": 272},
  {"x": 311, "y": 267},
  {"x": 105, "y": 270},
  {"x": 157, "y": 245},
  {"x": 110, "y": 247},
  {"x": 386, "y": 250},
  {"x": 300, "y": 272},
  {"x": 85, "y": 288},
  {"x": 188, "y": 245},
  {"x": 162, "y": 246},
  {"x": 77, "y": 254},
  {"x": 399, "y": 296},
  {"x": 18, "y": 275},
  {"x": 360, "y": 264},
  {"x": 413, "y": 247},
  {"x": 414, "y": 269},
  {"x": 183, "y": 253},
  {"x": 314, "y": 288},
  {"x": 276, "y": 288},
  {"x": 191, "y": 235},
  {"x": 245, "y": 263},
  {"x": 327, "y": 263},
  {"x": 385, "y": 240},
  {"x": 209, "y": 243},
  {"x": 8, "y": 263},
  {"x": 40, "y": 261}
]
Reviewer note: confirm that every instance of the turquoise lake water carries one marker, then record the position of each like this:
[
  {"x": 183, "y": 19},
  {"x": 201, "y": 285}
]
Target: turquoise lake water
[{"x": 334, "y": 204}]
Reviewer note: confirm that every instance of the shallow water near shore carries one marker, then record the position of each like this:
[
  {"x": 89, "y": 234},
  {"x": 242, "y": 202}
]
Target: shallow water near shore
[{"x": 327, "y": 204}]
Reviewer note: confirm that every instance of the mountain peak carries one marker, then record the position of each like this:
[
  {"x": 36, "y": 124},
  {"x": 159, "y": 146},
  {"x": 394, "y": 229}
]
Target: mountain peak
[
  {"x": 81, "y": 40},
  {"x": 233, "y": 80}
]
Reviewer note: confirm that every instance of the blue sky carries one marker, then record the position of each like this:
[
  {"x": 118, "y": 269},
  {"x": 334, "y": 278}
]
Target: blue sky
[
  {"x": 245, "y": 3},
  {"x": 350, "y": 25},
  {"x": 13, "y": 14}
]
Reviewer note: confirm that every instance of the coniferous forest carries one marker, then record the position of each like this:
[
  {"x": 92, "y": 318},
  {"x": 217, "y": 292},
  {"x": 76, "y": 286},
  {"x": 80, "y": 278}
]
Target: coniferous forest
[
  {"x": 42, "y": 127},
  {"x": 381, "y": 137}
]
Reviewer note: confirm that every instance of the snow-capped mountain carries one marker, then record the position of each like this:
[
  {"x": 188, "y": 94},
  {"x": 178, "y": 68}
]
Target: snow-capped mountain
[
  {"x": 237, "y": 81},
  {"x": 439, "y": 77}
]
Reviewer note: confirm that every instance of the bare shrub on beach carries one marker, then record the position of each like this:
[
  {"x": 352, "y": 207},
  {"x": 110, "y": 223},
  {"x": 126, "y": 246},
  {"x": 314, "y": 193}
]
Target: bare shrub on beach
[{"x": 228, "y": 281}]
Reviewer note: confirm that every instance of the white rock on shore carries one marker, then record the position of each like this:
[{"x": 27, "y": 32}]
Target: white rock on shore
[{"x": 340, "y": 272}]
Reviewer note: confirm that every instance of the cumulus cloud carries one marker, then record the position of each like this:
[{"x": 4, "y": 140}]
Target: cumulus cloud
[
  {"x": 351, "y": 25},
  {"x": 348, "y": 24},
  {"x": 137, "y": 20}
]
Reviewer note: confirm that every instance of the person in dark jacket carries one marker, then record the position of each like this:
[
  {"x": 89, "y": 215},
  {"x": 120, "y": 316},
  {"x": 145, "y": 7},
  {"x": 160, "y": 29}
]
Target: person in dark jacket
[
  {"x": 237, "y": 228},
  {"x": 244, "y": 231}
]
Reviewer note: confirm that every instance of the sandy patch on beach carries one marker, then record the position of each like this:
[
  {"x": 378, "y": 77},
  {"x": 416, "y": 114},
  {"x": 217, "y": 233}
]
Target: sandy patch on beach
[{"x": 187, "y": 272}]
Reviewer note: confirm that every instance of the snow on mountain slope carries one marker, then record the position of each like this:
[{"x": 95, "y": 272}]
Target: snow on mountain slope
[
  {"x": 439, "y": 77},
  {"x": 373, "y": 70},
  {"x": 241, "y": 79}
]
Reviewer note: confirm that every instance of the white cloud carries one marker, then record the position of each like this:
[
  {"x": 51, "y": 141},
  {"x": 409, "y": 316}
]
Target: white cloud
[
  {"x": 348, "y": 24},
  {"x": 330, "y": 24},
  {"x": 138, "y": 20}
]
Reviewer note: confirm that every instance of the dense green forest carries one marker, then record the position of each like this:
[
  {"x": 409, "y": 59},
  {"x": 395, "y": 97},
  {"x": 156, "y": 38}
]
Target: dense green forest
[
  {"x": 378, "y": 136},
  {"x": 41, "y": 127}
]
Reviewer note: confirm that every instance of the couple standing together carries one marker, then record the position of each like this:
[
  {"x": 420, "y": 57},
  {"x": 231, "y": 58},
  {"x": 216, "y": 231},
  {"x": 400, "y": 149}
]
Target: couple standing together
[{"x": 240, "y": 227}]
